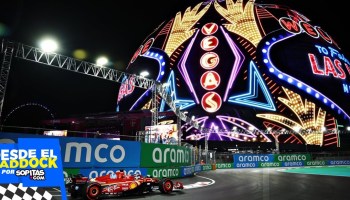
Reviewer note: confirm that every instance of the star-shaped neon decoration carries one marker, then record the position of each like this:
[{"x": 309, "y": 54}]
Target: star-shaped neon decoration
[
  {"x": 250, "y": 98},
  {"x": 171, "y": 89}
]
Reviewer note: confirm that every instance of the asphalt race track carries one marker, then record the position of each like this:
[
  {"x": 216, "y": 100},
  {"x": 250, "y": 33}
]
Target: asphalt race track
[{"x": 256, "y": 184}]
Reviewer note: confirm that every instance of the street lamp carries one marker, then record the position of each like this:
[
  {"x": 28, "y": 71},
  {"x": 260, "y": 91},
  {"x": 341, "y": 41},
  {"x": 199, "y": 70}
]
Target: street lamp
[
  {"x": 101, "y": 61},
  {"x": 144, "y": 73},
  {"x": 48, "y": 45}
]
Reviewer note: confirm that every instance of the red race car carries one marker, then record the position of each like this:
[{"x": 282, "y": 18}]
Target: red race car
[{"x": 119, "y": 184}]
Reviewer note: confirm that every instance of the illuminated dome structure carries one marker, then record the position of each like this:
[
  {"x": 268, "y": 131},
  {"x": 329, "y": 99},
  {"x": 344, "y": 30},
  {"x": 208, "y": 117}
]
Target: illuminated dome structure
[{"x": 247, "y": 72}]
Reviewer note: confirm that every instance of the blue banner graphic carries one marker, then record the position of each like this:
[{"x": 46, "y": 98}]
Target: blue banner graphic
[
  {"x": 246, "y": 165},
  {"x": 245, "y": 158},
  {"x": 338, "y": 162},
  {"x": 293, "y": 164},
  {"x": 187, "y": 171},
  {"x": 198, "y": 168},
  {"x": 35, "y": 162},
  {"x": 87, "y": 152}
]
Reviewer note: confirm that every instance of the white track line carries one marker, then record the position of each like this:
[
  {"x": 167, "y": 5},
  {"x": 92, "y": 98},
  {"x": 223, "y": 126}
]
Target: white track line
[{"x": 199, "y": 184}]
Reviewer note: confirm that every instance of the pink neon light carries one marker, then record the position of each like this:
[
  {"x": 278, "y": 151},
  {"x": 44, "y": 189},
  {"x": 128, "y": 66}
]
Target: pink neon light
[
  {"x": 182, "y": 68},
  {"x": 212, "y": 127},
  {"x": 288, "y": 139},
  {"x": 202, "y": 120},
  {"x": 326, "y": 140},
  {"x": 238, "y": 125},
  {"x": 237, "y": 64},
  {"x": 226, "y": 118},
  {"x": 225, "y": 128},
  {"x": 331, "y": 143}
]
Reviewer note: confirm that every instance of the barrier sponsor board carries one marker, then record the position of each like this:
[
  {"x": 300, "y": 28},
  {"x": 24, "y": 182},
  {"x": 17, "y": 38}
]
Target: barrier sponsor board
[
  {"x": 161, "y": 155},
  {"x": 224, "y": 165},
  {"x": 171, "y": 172},
  {"x": 97, "y": 172},
  {"x": 244, "y": 158},
  {"x": 198, "y": 168},
  {"x": 293, "y": 164},
  {"x": 88, "y": 152},
  {"x": 269, "y": 164},
  {"x": 207, "y": 167},
  {"x": 246, "y": 165},
  {"x": 315, "y": 163},
  {"x": 291, "y": 157},
  {"x": 187, "y": 171},
  {"x": 338, "y": 162}
]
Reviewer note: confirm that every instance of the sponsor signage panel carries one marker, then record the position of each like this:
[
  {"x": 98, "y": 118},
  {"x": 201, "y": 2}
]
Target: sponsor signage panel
[
  {"x": 160, "y": 155},
  {"x": 246, "y": 165},
  {"x": 198, "y": 168},
  {"x": 338, "y": 162},
  {"x": 292, "y": 157},
  {"x": 269, "y": 164},
  {"x": 207, "y": 167},
  {"x": 86, "y": 152},
  {"x": 244, "y": 158},
  {"x": 169, "y": 172},
  {"x": 293, "y": 164},
  {"x": 315, "y": 163},
  {"x": 187, "y": 171},
  {"x": 224, "y": 165}
]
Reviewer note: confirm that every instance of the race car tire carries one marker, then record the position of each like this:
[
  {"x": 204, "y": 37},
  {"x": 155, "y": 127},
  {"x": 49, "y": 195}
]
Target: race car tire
[
  {"x": 166, "y": 186},
  {"x": 93, "y": 191}
]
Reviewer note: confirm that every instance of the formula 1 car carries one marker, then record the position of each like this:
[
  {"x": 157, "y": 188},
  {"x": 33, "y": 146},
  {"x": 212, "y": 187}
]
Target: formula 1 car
[{"x": 119, "y": 184}]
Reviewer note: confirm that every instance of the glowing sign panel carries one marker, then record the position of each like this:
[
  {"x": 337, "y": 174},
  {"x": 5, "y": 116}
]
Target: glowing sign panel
[
  {"x": 261, "y": 50},
  {"x": 294, "y": 27},
  {"x": 126, "y": 88},
  {"x": 334, "y": 69},
  {"x": 209, "y": 60},
  {"x": 211, "y": 102},
  {"x": 142, "y": 49},
  {"x": 210, "y": 28},
  {"x": 209, "y": 43},
  {"x": 210, "y": 80},
  {"x": 147, "y": 46}
]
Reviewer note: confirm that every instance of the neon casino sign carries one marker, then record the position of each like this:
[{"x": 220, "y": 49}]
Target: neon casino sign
[
  {"x": 327, "y": 64},
  {"x": 210, "y": 80},
  {"x": 330, "y": 62},
  {"x": 231, "y": 65}
]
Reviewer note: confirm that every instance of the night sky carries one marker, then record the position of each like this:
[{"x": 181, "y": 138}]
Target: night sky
[
  {"x": 117, "y": 28},
  {"x": 112, "y": 28}
]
